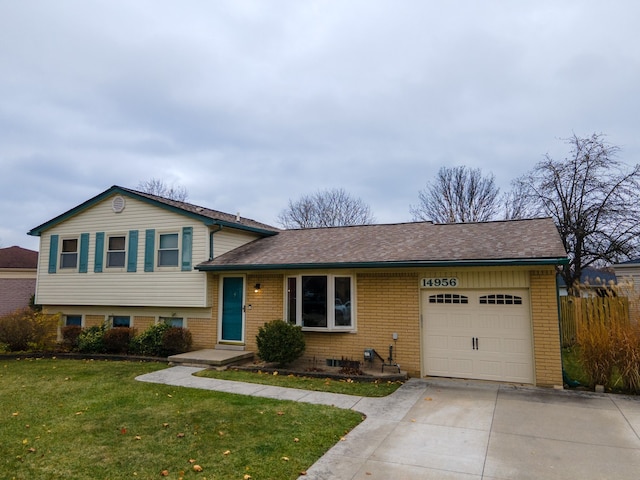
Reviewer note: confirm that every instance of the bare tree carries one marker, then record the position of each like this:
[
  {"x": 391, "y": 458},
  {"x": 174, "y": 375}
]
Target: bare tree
[
  {"x": 458, "y": 194},
  {"x": 517, "y": 206},
  {"x": 326, "y": 208},
  {"x": 593, "y": 198},
  {"x": 157, "y": 187}
]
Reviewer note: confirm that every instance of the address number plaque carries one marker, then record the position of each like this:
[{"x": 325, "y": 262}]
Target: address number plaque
[{"x": 439, "y": 282}]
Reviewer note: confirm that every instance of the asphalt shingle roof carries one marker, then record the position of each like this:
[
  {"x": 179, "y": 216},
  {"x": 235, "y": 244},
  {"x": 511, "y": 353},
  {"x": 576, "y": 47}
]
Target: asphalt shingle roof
[
  {"x": 420, "y": 243},
  {"x": 18, "y": 257}
]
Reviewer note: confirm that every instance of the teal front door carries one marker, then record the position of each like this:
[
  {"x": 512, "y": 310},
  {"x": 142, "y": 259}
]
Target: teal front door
[{"x": 232, "y": 306}]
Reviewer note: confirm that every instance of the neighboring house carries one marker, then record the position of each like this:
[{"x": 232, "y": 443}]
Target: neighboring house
[
  {"x": 18, "y": 269},
  {"x": 628, "y": 274},
  {"x": 475, "y": 300},
  {"x": 594, "y": 282}
]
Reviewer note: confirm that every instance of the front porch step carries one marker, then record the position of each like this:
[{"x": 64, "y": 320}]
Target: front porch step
[{"x": 211, "y": 357}]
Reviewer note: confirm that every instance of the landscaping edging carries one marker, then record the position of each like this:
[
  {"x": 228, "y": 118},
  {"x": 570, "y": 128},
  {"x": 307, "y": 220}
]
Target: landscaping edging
[
  {"x": 401, "y": 377},
  {"x": 80, "y": 356}
]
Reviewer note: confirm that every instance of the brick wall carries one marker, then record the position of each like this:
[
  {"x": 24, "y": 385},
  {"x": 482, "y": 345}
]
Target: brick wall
[
  {"x": 386, "y": 302},
  {"x": 93, "y": 320},
  {"x": 546, "y": 332},
  {"x": 141, "y": 323},
  {"x": 15, "y": 293}
]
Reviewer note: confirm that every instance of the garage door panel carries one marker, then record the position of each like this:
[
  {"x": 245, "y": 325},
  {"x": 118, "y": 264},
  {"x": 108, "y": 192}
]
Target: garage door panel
[{"x": 490, "y": 340}]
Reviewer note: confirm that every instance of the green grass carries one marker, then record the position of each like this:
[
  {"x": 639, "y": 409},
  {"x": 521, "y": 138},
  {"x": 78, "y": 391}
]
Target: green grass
[
  {"x": 575, "y": 370},
  {"x": 379, "y": 388},
  {"x": 72, "y": 419}
]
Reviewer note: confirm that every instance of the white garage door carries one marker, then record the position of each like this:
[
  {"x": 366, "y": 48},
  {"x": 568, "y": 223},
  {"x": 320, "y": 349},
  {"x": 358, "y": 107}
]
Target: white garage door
[{"x": 478, "y": 334}]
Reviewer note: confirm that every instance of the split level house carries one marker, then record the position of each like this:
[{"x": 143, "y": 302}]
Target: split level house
[{"x": 473, "y": 300}]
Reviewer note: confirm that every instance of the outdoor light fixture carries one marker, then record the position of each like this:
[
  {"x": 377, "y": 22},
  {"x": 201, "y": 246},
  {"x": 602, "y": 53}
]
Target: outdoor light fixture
[{"x": 256, "y": 289}]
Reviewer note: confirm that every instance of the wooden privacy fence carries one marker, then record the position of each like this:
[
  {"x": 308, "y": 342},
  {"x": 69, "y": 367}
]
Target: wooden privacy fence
[{"x": 576, "y": 310}]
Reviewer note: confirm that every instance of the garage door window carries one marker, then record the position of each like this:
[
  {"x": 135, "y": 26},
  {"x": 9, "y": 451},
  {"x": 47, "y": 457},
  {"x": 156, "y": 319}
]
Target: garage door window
[
  {"x": 500, "y": 299},
  {"x": 448, "y": 298}
]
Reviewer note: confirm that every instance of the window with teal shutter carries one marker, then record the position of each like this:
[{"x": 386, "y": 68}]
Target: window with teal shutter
[
  {"x": 132, "y": 262},
  {"x": 53, "y": 254},
  {"x": 187, "y": 241},
  {"x": 149, "y": 249},
  {"x": 97, "y": 264},
  {"x": 84, "y": 253}
]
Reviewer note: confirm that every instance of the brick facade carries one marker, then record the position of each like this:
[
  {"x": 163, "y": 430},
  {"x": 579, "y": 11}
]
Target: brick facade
[
  {"x": 546, "y": 328},
  {"x": 15, "y": 293},
  {"x": 386, "y": 303}
]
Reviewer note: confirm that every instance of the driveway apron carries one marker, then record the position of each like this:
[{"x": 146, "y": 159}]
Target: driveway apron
[{"x": 453, "y": 429}]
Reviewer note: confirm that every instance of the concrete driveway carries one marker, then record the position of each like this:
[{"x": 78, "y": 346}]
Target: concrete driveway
[{"x": 449, "y": 429}]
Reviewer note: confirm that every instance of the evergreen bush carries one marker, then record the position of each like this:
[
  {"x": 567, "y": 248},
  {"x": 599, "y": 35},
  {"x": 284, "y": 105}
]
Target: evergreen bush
[
  {"x": 91, "y": 340},
  {"x": 151, "y": 341},
  {"x": 117, "y": 339},
  {"x": 280, "y": 342}
]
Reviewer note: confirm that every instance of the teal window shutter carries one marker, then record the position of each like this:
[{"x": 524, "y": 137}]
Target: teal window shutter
[
  {"x": 132, "y": 262},
  {"x": 187, "y": 242},
  {"x": 53, "y": 254},
  {"x": 97, "y": 265},
  {"x": 84, "y": 253},
  {"x": 149, "y": 250}
]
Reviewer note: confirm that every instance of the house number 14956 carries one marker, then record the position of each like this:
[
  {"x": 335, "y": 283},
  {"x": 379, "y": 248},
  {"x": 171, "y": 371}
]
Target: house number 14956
[{"x": 439, "y": 282}]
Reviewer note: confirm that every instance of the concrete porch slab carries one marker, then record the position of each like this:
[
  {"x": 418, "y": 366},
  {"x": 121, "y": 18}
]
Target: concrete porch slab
[{"x": 212, "y": 357}]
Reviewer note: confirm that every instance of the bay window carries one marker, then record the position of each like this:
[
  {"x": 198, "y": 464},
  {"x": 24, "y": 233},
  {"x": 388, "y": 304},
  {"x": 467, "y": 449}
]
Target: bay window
[{"x": 320, "y": 302}]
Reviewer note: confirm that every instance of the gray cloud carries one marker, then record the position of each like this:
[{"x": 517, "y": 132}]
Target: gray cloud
[{"x": 250, "y": 103}]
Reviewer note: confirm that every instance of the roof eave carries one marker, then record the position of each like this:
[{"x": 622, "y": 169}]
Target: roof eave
[{"x": 507, "y": 262}]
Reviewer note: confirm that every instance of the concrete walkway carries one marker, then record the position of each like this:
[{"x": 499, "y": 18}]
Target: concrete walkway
[{"x": 448, "y": 429}]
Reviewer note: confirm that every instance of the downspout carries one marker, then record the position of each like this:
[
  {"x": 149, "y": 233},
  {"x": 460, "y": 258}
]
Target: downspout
[{"x": 211, "y": 240}]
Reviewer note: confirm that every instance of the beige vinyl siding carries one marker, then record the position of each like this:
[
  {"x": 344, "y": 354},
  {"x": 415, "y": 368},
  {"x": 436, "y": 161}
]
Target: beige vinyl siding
[
  {"x": 116, "y": 286},
  {"x": 227, "y": 239}
]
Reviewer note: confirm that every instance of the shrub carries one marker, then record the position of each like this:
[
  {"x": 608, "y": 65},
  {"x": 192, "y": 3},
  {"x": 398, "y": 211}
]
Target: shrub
[
  {"x": 117, "y": 339},
  {"x": 27, "y": 329},
  {"x": 70, "y": 334},
  {"x": 150, "y": 342},
  {"x": 176, "y": 340},
  {"x": 91, "y": 340},
  {"x": 280, "y": 342}
]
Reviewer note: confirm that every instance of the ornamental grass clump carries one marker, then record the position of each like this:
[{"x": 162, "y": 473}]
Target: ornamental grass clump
[{"x": 280, "y": 342}]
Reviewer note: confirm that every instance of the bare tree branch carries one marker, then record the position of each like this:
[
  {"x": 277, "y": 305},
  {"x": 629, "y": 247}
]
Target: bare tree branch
[
  {"x": 327, "y": 208},
  {"x": 593, "y": 198},
  {"x": 458, "y": 194},
  {"x": 159, "y": 188}
]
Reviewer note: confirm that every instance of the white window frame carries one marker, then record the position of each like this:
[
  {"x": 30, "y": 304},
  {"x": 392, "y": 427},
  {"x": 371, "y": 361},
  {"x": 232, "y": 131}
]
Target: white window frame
[
  {"x": 330, "y": 302},
  {"x": 63, "y": 253},
  {"x": 124, "y": 251},
  {"x": 178, "y": 249}
]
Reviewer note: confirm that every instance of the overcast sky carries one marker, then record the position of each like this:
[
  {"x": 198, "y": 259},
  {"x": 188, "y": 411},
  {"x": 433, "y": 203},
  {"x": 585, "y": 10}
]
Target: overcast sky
[{"x": 248, "y": 104}]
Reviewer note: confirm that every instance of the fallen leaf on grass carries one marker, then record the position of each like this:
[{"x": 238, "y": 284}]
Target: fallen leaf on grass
[
  {"x": 138, "y": 437},
  {"x": 164, "y": 473},
  {"x": 226, "y": 452},
  {"x": 32, "y": 450},
  {"x": 197, "y": 468},
  {"x": 165, "y": 425},
  {"x": 180, "y": 435},
  {"x": 191, "y": 460},
  {"x": 303, "y": 472},
  {"x": 280, "y": 414},
  {"x": 15, "y": 414},
  {"x": 247, "y": 476},
  {"x": 286, "y": 459},
  {"x": 296, "y": 439}
]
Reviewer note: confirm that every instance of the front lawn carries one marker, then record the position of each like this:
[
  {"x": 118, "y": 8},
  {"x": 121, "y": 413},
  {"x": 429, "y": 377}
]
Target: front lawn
[
  {"x": 72, "y": 419},
  {"x": 378, "y": 388}
]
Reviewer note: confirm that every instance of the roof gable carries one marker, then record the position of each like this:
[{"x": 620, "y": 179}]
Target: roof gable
[
  {"x": 514, "y": 242},
  {"x": 205, "y": 215}
]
